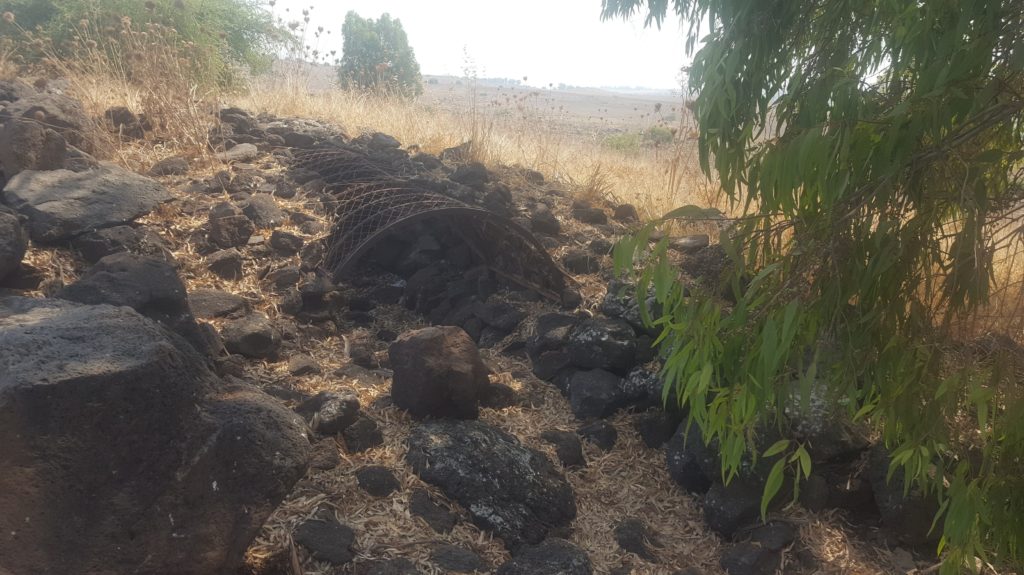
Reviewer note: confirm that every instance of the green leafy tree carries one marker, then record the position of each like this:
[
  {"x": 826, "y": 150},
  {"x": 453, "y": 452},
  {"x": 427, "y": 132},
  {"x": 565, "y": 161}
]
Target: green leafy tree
[
  {"x": 232, "y": 33},
  {"x": 873, "y": 151},
  {"x": 376, "y": 57}
]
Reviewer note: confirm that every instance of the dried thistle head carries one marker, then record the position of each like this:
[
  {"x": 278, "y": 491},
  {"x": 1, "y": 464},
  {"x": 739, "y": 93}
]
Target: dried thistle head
[{"x": 9, "y": 17}]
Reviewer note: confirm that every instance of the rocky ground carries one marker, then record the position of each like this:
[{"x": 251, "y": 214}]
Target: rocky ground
[{"x": 421, "y": 414}]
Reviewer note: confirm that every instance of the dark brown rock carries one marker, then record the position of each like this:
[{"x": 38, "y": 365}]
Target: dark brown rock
[
  {"x": 162, "y": 468},
  {"x": 437, "y": 373}
]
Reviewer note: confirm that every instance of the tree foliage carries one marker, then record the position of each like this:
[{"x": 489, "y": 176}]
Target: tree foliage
[
  {"x": 232, "y": 33},
  {"x": 376, "y": 57},
  {"x": 873, "y": 149}
]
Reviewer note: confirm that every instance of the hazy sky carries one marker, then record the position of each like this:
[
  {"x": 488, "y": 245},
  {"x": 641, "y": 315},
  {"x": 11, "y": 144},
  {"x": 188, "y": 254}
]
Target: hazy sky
[{"x": 559, "y": 41}]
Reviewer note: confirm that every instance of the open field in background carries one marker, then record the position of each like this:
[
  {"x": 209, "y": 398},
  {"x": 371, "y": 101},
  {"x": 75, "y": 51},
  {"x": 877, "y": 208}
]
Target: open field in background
[{"x": 598, "y": 142}]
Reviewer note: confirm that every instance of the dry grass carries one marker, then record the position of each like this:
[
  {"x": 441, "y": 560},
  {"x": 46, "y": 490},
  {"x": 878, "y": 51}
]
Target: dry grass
[{"x": 654, "y": 183}]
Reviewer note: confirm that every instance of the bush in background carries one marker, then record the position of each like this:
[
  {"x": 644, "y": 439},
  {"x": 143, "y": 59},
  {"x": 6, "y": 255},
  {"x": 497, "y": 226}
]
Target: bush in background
[{"x": 232, "y": 36}]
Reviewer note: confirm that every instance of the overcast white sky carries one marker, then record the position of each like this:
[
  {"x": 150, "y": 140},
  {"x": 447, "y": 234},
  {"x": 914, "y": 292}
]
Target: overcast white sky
[{"x": 559, "y": 41}]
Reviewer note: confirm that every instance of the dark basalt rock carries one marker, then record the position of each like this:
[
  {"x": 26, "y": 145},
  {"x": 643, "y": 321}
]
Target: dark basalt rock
[
  {"x": 455, "y": 559},
  {"x": 363, "y": 434},
  {"x": 437, "y": 373},
  {"x": 327, "y": 539},
  {"x": 229, "y": 227},
  {"x": 61, "y": 204},
  {"x": 140, "y": 240},
  {"x": 600, "y": 433},
  {"x": 225, "y": 264},
  {"x": 138, "y": 423},
  {"x": 423, "y": 505},
  {"x": 377, "y": 480},
  {"x": 252, "y": 336},
  {"x": 567, "y": 447},
  {"x": 508, "y": 489},
  {"x": 603, "y": 344},
  {"x": 595, "y": 393},
  {"x": 730, "y": 507},
  {"x": 552, "y": 557},
  {"x": 151, "y": 287}
]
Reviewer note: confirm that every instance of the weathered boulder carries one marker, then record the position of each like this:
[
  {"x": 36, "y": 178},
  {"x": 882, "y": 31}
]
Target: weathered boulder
[
  {"x": 330, "y": 412},
  {"x": 508, "y": 489},
  {"x": 141, "y": 240},
  {"x": 600, "y": 343},
  {"x": 229, "y": 227},
  {"x": 377, "y": 480},
  {"x": 225, "y": 264},
  {"x": 437, "y": 373},
  {"x": 58, "y": 112},
  {"x": 28, "y": 145},
  {"x": 326, "y": 538},
  {"x": 595, "y": 393},
  {"x": 567, "y": 447},
  {"x": 252, "y": 336},
  {"x": 13, "y": 242},
  {"x": 363, "y": 434},
  {"x": 264, "y": 212},
  {"x": 123, "y": 454},
  {"x": 552, "y": 557},
  {"x": 211, "y": 303},
  {"x": 61, "y": 204},
  {"x": 149, "y": 286},
  {"x": 727, "y": 508}
]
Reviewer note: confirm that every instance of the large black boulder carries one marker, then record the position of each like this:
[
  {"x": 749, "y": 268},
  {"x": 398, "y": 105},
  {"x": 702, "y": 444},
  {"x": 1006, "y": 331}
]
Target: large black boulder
[
  {"x": 123, "y": 454},
  {"x": 61, "y": 204},
  {"x": 149, "y": 286},
  {"x": 508, "y": 489},
  {"x": 595, "y": 393},
  {"x": 600, "y": 343}
]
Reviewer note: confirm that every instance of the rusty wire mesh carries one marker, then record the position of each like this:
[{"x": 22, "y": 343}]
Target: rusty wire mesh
[{"x": 369, "y": 204}]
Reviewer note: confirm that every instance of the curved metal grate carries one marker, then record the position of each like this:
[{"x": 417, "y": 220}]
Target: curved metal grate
[
  {"x": 369, "y": 206},
  {"x": 339, "y": 166}
]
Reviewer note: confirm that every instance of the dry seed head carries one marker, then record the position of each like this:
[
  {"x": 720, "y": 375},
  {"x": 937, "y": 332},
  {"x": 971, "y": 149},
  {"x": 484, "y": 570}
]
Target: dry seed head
[
  {"x": 9, "y": 17},
  {"x": 83, "y": 23},
  {"x": 39, "y": 115}
]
